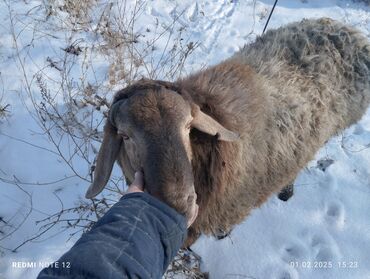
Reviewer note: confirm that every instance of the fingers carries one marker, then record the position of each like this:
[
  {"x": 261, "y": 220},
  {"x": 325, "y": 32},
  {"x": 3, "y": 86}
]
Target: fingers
[
  {"x": 139, "y": 180},
  {"x": 193, "y": 214},
  {"x": 138, "y": 184}
]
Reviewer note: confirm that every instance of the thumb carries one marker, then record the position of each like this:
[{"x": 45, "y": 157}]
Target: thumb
[{"x": 138, "y": 184}]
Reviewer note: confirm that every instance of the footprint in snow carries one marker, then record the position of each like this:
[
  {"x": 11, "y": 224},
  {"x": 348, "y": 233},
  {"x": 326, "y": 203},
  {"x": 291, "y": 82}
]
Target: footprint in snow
[
  {"x": 335, "y": 214},
  {"x": 287, "y": 274},
  {"x": 323, "y": 248},
  {"x": 359, "y": 129},
  {"x": 327, "y": 182},
  {"x": 234, "y": 33},
  {"x": 152, "y": 11},
  {"x": 294, "y": 251},
  {"x": 280, "y": 272},
  {"x": 218, "y": 21},
  {"x": 311, "y": 247},
  {"x": 192, "y": 12}
]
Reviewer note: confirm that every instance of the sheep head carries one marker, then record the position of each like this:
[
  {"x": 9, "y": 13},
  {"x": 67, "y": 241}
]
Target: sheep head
[{"x": 148, "y": 128}]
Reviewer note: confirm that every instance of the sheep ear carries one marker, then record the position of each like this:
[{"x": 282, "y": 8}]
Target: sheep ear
[
  {"x": 106, "y": 157},
  {"x": 208, "y": 125}
]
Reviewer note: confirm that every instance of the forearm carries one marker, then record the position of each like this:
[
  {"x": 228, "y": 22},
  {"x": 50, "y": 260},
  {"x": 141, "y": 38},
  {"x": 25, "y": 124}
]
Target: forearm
[{"x": 137, "y": 238}]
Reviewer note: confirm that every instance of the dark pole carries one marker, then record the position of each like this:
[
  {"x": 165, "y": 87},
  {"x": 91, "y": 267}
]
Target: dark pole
[{"x": 272, "y": 10}]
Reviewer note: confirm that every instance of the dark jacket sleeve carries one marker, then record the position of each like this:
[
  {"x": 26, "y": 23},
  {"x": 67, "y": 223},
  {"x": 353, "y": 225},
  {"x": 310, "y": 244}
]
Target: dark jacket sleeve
[{"x": 137, "y": 238}]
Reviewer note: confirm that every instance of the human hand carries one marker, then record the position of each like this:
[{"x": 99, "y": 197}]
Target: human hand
[
  {"x": 138, "y": 186},
  {"x": 193, "y": 214}
]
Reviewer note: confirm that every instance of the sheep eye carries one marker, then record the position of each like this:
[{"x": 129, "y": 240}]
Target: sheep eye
[{"x": 188, "y": 126}]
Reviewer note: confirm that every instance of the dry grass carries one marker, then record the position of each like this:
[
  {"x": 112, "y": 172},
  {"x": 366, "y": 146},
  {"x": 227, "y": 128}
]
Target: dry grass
[
  {"x": 4, "y": 107},
  {"x": 129, "y": 55},
  {"x": 70, "y": 96},
  {"x": 185, "y": 265},
  {"x": 79, "y": 12},
  {"x": 4, "y": 111}
]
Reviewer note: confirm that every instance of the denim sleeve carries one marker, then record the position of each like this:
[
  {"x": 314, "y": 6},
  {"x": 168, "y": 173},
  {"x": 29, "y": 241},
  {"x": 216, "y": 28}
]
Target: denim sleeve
[{"x": 137, "y": 238}]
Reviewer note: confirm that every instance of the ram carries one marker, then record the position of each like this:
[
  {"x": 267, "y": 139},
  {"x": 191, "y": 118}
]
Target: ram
[{"x": 230, "y": 136}]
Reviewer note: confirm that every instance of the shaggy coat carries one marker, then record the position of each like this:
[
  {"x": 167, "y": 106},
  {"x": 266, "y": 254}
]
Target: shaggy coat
[{"x": 285, "y": 95}]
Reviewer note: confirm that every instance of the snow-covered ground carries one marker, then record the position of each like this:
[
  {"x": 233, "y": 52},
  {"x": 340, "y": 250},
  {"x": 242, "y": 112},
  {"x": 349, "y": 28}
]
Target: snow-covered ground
[{"x": 323, "y": 231}]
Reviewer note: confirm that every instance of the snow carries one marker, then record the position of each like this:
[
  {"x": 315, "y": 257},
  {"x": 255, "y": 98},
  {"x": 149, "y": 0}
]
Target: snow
[
  {"x": 326, "y": 221},
  {"x": 323, "y": 231}
]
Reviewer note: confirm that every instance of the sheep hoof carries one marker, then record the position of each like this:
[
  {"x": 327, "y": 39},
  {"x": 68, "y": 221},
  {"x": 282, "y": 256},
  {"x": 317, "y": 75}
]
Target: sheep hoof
[
  {"x": 286, "y": 193},
  {"x": 221, "y": 234}
]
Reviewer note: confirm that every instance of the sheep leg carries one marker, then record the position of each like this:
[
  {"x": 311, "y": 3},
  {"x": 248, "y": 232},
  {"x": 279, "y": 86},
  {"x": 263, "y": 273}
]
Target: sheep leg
[{"x": 286, "y": 193}]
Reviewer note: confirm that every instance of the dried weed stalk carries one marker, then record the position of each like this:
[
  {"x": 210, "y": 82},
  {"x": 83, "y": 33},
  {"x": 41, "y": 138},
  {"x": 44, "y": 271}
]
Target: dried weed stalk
[{"x": 69, "y": 95}]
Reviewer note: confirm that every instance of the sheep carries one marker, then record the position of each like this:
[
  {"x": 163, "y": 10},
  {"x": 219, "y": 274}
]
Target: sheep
[{"x": 230, "y": 136}]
